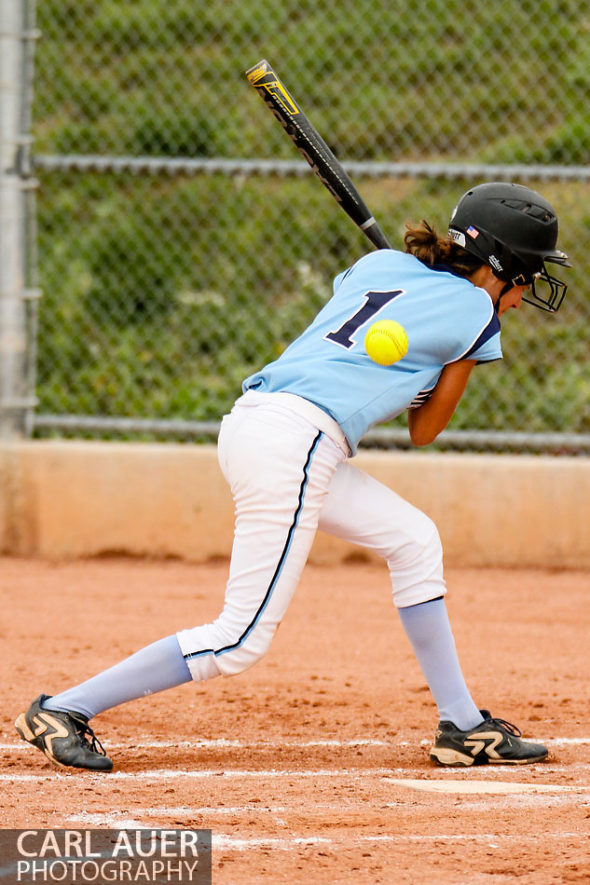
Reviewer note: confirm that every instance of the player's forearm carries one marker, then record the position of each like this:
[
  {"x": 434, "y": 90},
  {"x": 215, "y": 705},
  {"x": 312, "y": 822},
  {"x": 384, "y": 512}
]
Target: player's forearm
[{"x": 429, "y": 419}]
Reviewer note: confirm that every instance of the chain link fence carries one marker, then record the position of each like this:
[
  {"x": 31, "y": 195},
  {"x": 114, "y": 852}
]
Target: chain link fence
[{"x": 182, "y": 242}]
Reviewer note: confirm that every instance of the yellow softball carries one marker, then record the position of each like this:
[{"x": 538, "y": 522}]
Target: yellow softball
[{"x": 386, "y": 342}]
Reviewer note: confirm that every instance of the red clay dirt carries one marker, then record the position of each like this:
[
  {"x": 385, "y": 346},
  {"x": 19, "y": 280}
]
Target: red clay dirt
[{"x": 312, "y": 766}]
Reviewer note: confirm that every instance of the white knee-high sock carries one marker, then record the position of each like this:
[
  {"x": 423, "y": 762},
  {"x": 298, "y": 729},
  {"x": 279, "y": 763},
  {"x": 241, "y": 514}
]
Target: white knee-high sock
[
  {"x": 429, "y": 631},
  {"x": 154, "y": 668}
]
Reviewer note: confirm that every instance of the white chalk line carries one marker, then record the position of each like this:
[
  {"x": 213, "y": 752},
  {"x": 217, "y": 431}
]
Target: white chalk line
[
  {"x": 202, "y": 774},
  {"x": 384, "y": 774},
  {"x": 188, "y": 811},
  {"x": 224, "y": 743},
  {"x": 494, "y": 840},
  {"x": 225, "y": 841}
]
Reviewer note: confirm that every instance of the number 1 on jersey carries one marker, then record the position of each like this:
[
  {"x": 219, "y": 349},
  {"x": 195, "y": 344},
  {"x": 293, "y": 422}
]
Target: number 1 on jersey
[{"x": 374, "y": 303}]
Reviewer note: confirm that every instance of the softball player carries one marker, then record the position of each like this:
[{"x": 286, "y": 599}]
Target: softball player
[{"x": 285, "y": 450}]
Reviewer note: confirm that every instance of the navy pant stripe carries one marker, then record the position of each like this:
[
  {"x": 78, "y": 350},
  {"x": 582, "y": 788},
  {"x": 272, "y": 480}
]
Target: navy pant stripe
[{"x": 279, "y": 567}]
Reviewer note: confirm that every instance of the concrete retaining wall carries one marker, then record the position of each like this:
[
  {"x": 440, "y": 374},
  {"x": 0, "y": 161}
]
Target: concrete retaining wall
[{"x": 70, "y": 499}]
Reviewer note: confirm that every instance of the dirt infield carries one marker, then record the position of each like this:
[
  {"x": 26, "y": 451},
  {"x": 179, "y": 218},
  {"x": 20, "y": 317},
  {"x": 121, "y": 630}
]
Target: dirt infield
[{"x": 312, "y": 766}]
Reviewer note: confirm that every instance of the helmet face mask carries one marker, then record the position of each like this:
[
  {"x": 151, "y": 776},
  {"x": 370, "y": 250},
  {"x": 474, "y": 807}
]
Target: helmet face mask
[
  {"x": 513, "y": 230},
  {"x": 547, "y": 292}
]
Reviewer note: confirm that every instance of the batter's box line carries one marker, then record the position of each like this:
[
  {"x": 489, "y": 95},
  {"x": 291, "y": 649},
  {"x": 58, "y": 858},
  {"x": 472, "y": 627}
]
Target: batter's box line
[
  {"x": 222, "y": 743},
  {"x": 201, "y": 774},
  {"x": 494, "y": 840},
  {"x": 228, "y": 842},
  {"x": 86, "y": 817},
  {"x": 271, "y": 774}
]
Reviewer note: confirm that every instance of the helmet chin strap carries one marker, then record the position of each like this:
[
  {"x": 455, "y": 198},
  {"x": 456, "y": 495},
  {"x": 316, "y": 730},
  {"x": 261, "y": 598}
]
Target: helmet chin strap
[{"x": 506, "y": 288}]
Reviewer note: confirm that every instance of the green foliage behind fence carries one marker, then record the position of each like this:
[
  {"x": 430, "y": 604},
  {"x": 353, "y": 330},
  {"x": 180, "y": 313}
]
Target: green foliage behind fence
[{"x": 163, "y": 292}]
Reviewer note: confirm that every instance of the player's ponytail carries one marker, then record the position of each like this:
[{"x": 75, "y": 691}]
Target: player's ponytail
[{"x": 427, "y": 246}]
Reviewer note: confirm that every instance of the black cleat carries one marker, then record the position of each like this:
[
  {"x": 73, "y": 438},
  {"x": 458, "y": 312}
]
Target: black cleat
[
  {"x": 65, "y": 738},
  {"x": 495, "y": 741}
]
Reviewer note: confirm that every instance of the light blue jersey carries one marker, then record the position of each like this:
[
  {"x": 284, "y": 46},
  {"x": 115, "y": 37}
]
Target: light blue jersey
[{"x": 446, "y": 318}]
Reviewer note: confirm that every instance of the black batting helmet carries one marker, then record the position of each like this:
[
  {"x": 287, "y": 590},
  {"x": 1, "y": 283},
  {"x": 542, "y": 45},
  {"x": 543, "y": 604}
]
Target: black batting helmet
[{"x": 514, "y": 230}]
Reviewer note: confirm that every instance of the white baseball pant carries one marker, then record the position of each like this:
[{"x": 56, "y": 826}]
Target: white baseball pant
[{"x": 289, "y": 478}]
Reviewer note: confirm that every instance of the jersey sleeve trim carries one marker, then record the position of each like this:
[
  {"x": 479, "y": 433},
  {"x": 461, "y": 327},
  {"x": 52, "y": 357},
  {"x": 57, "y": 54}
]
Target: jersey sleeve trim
[{"x": 490, "y": 329}]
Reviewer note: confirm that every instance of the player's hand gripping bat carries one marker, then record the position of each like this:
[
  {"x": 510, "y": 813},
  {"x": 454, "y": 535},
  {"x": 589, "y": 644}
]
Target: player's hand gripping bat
[{"x": 315, "y": 150}]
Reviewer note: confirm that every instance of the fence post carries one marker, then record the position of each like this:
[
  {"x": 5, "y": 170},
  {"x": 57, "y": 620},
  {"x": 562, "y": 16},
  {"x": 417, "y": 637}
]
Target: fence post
[{"x": 15, "y": 37}]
